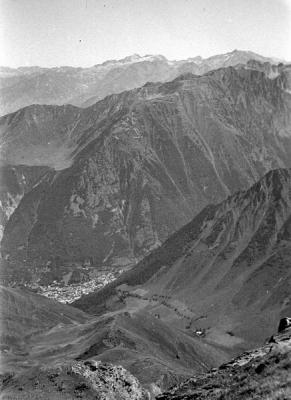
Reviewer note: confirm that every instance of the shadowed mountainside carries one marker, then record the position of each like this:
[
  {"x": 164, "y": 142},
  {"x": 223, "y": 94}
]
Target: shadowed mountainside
[
  {"x": 139, "y": 165},
  {"x": 15, "y": 181}
]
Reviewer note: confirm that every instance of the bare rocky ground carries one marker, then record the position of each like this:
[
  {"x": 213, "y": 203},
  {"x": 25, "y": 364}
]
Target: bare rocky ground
[{"x": 77, "y": 380}]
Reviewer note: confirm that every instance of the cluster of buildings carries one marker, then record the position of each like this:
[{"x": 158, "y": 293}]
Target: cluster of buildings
[{"x": 70, "y": 293}]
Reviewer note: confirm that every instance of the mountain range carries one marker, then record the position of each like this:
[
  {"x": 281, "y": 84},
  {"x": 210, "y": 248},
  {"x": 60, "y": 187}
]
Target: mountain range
[
  {"x": 23, "y": 86},
  {"x": 172, "y": 177},
  {"x": 104, "y": 185}
]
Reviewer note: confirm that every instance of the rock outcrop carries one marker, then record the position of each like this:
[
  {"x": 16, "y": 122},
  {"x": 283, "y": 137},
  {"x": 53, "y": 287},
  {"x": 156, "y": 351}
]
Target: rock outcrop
[
  {"x": 284, "y": 324},
  {"x": 76, "y": 380}
]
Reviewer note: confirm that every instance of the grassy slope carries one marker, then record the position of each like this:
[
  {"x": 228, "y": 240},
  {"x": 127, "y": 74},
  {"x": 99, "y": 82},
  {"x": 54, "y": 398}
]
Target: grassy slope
[
  {"x": 261, "y": 374},
  {"x": 40, "y": 332},
  {"x": 227, "y": 271}
]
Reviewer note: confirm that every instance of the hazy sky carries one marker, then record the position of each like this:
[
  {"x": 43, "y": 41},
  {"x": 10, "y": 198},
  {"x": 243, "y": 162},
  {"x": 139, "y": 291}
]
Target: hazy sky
[{"x": 87, "y": 32}]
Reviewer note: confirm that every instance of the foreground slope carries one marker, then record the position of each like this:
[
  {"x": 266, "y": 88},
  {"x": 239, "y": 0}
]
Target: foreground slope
[
  {"x": 260, "y": 373},
  {"x": 38, "y": 334},
  {"x": 264, "y": 373},
  {"x": 224, "y": 276},
  {"x": 74, "y": 380},
  {"x": 135, "y": 167}
]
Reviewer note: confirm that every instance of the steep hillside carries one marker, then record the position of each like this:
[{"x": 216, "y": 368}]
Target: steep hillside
[
  {"x": 263, "y": 373},
  {"x": 38, "y": 135},
  {"x": 225, "y": 276},
  {"x": 24, "y": 86},
  {"x": 15, "y": 181},
  {"x": 139, "y": 165}
]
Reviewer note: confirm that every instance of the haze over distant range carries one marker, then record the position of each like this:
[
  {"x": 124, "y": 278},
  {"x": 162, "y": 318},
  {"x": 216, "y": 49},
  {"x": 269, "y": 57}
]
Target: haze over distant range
[{"x": 86, "y": 32}]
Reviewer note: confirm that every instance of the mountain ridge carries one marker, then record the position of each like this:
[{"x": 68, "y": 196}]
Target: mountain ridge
[
  {"x": 102, "y": 188},
  {"x": 135, "y": 56},
  {"x": 84, "y": 86},
  {"x": 223, "y": 130}
]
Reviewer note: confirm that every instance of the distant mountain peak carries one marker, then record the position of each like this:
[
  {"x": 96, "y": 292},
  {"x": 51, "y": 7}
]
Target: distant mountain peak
[
  {"x": 84, "y": 86},
  {"x": 131, "y": 58}
]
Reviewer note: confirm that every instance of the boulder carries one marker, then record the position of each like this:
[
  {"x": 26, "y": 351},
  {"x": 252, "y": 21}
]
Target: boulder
[{"x": 284, "y": 324}]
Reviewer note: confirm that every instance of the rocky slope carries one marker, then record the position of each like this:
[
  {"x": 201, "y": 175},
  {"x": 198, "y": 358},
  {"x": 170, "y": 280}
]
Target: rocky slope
[
  {"x": 34, "y": 85},
  {"x": 134, "y": 167},
  {"x": 264, "y": 373},
  {"x": 225, "y": 276},
  {"x": 15, "y": 181},
  {"x": 75, "y": 380}
]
